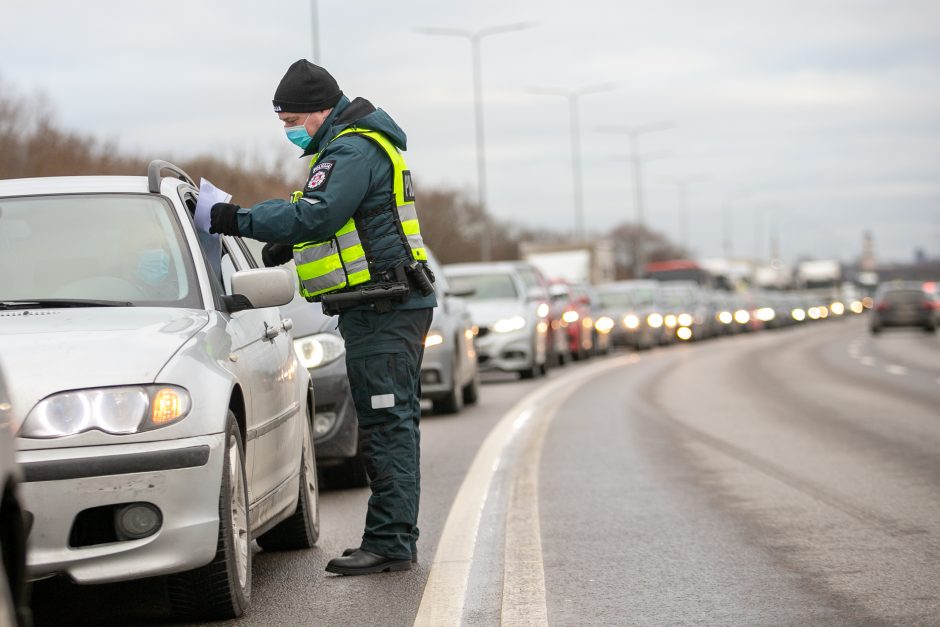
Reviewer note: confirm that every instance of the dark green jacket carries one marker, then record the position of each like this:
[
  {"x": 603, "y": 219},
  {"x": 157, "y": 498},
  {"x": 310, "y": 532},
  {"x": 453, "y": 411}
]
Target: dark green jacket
[{"x": 358, "y": 183}]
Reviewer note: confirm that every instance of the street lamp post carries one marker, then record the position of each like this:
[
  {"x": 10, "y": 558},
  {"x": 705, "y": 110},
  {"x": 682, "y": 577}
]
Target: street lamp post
[
  {"x": 633, "y": 134},
  {"x": 315, "y": 30},
  {"x": 682, "y": 206},
  {"x": 475, "y": 38},
  {"x": 573, "y": 96}
]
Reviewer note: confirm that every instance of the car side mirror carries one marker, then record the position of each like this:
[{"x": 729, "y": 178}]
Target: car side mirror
[
  {"x": 536, "y": 293},
  {"x": 260, "y": 288},
  {"x": 464, "y": 293}
]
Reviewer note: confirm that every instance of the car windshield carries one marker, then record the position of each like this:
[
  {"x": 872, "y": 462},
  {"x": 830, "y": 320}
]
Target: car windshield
[
  {"x": 115, "y": 248},
  {"x": 485, "y": 286}
]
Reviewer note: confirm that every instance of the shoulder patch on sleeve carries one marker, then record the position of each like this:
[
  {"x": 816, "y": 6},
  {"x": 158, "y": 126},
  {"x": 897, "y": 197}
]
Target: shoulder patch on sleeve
[{"x": 319, "y": 176}]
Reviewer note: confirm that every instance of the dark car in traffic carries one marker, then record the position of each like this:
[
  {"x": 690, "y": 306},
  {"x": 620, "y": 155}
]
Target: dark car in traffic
[{"x": 904, "y": 304}]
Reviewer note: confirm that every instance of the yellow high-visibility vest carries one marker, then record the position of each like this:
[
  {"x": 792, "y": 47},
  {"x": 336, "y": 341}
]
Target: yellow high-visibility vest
[{"x": 340, "y": 262}]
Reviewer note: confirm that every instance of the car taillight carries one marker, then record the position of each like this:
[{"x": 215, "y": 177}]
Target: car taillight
[{"x": 882, "y": 306}]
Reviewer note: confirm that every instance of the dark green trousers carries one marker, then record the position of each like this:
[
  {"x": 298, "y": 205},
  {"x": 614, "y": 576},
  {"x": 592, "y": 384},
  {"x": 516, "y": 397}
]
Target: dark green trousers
[{"x": 383, "y": 362}]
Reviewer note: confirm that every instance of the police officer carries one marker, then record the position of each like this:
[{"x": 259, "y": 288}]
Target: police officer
[{"x": 355, "y": 238}]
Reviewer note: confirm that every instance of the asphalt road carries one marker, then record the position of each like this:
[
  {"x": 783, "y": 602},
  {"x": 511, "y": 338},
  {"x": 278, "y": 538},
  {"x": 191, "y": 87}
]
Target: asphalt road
[{"x": 787, "y": 477}]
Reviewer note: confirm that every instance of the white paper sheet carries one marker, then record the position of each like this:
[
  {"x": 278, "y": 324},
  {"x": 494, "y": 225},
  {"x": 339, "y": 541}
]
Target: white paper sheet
[{"x": 209, "y": 194}]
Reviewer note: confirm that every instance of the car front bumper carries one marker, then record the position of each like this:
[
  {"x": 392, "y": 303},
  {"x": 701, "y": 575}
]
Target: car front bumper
[
  {"x": 181, "y": 478},
  {"x": 437, "y": 372},
  {"x": 508, "y": 352},
  {"x": 334, "y": 402}
]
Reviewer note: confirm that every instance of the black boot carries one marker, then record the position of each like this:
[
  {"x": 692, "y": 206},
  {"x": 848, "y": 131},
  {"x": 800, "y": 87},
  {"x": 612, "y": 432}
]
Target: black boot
[
  {"x": 361, "y": 562},
  {"x": 414, "y": 554}
]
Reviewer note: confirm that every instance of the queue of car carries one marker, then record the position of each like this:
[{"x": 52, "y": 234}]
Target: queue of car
[{"x": 173, "y": 401}]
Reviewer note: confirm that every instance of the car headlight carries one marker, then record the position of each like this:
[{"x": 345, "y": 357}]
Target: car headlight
[
  {"x": 631, "y": 321},
  {"x": 766, "y": 314},
  {"x": 319, "y": 350},
  {"x": 742, "y": 316},
  {"x": 433, "y": 339},
  {"x": 604, "y": 324},
  {"x": 670, "y": 320},
  {"x": 655, "y": 320},
  {"x": 543, "y": 310},
  {"x": 509, "y": 324},
  {"x": 798, "y": 314},
  {"x": 725, "y": 317},
  {"x": 118, "y": 411},
  {"x": 684, "y": 320},
  {"x": 570, "y": 316}
]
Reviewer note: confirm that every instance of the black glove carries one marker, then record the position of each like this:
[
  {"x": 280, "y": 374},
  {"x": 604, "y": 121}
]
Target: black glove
[
  {"x": 276, "y": 254},
  {"x": 222, "y": 219}
]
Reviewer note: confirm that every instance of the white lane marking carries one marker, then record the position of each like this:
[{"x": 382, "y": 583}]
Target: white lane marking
[
  {"x": 896, "y": 369},
  {"x": 868, "y": 361},
  {"x": 446, "y": 588},
  {"x": 523, "y": 571}
]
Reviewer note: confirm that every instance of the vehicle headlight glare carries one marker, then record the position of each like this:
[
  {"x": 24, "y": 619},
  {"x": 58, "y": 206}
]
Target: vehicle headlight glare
[
  {"x": 631, "y": 321},
  {"x": 725, "y": 317},
  {"x": 766, "y": 314},
  {"x": 684, "y": 333},
  {"x": 433, "y": 339},
  {"x": 509, "y": 324},
  {"x": 684, "y": 320},
  {"x": 837, "y": 308},
  {"x": 857, "y": 307},
  {"x": 63, "y": 414},
  {"x": 670, "y": 320},
  {"x": 117, "y": 411},
  {"x": 318, "y": 350},
  {"x": 570, "y": 316},
  {"x": 799, "y": 315},
  {"x": 741, "y": 316},
  {"x": 543, "y": 310},
  {"x": 605, "y": 324},
  {"x": 655, "y": 320}
]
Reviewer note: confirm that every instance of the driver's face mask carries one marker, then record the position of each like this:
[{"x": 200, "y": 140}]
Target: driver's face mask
[{"x": 153, "y": 265}]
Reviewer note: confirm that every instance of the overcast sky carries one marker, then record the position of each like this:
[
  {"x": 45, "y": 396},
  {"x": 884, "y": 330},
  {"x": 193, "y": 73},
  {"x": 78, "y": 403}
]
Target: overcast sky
[{"x": 816, "y": 119}]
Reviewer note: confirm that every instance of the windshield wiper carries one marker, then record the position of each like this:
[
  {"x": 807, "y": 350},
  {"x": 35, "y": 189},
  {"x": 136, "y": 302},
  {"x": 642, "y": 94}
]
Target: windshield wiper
[{"x": 55, "y": 303}]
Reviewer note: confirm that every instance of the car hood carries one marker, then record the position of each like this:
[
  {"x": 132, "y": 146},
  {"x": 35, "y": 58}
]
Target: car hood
[
  {"x": 485, "y": 313},
  {"x": 50, "y": 350}
]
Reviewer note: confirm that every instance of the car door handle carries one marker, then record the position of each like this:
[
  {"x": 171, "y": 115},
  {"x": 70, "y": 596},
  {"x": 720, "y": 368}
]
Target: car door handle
[{"x": 270, "y": 332}]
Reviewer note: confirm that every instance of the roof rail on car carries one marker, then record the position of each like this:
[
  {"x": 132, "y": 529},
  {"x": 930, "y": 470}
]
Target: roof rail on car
[{"x": 155, "y": 174}]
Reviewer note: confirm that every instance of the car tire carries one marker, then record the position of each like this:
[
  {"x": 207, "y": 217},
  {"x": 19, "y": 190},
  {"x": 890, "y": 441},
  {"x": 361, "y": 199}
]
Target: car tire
[
  {"x": 7, "y": 608},
  {"x": 471, "y": 391},
  {"x": 14, "y": 597},
  {"x": 222, "y": 588},
  {"x": 351, "y": 473},
  {"x": 302, "y": 529}
]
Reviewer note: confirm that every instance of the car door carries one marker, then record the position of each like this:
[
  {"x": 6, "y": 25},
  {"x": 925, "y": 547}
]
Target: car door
[{"x": 274, "y": 431}]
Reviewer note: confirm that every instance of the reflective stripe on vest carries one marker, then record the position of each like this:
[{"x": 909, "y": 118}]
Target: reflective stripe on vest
[{"x": 324, "y": 267}]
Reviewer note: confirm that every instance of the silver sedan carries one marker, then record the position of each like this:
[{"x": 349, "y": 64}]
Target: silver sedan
[{"x": 162, "y": 419}]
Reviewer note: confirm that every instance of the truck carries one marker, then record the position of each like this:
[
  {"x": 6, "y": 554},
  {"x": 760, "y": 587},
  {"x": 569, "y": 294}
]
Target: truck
[{"x": 575, "y": 263}]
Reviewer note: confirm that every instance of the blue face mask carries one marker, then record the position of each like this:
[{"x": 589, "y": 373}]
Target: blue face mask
[
  {"x": 299, "y": 136},
  {"x": 153, "y": 265}
]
